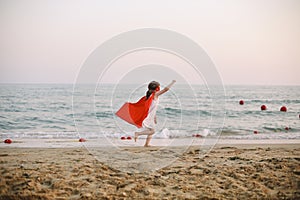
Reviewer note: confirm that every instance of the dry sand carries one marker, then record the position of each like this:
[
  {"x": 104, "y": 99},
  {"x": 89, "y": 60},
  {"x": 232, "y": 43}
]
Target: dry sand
[{"x": 227, "y": 172}]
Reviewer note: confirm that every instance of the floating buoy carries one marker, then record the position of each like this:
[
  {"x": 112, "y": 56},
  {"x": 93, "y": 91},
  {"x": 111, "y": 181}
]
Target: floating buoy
[
  {"x": 197, "y": 135},
  {"x": 242, "y": 102},
  {"x": 263, "y": 107},
  {"x": 283, "y": 109},
  {"x": 82, "y": 140},
  {"x": 123, "y": 138},
  {"x": 287, "y": 128},
  {"x": 129, "y": 138},
  {"x": 255, "y": 132},
  {"x": 8, "y": 141}
]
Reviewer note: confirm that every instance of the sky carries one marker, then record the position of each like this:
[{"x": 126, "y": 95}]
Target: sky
[{"x": 251, "y": 42}]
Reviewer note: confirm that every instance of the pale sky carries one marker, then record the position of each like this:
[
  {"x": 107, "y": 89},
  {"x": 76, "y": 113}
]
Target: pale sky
[{"x": 250, "y": 41}]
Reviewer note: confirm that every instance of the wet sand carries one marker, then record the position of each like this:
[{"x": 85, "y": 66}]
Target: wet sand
[{"x": 226, "y": 172}]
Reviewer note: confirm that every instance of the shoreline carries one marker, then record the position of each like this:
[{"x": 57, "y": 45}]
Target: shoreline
[{"x": 117, "y": 143}]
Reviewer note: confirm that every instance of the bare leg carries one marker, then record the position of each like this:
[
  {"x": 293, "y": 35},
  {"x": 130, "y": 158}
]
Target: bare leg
[
  {"x": 149, "y": 137},
  {"x": 148, "y": 132},
  {"x": 136, "y": 135}
]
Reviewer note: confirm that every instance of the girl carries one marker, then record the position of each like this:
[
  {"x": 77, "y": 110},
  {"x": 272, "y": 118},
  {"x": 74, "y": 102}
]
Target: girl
[{"x": 149, "y": 122}]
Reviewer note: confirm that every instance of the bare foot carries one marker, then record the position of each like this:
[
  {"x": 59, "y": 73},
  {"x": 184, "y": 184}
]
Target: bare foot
[
  {"x": 147, "y": 145},
  {"x": 135, "y": 136}
]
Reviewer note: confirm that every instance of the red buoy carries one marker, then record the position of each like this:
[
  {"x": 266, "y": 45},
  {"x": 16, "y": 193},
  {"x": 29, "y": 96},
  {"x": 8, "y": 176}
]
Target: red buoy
[
  {"x": 123, "y": 138},
  {"x": 197, "y": 135},
  {"x": 287, "y": 128},
  {"x": 255, "y": 132},
  {"x": 283, "y": 109},
  {"x": 129, "y": 138},
  {"x": 8, "y": 141},
  {"x": 263, "y": 107},
  {"x": 82, "y": 140},
  {"x": 242, "y": 102}
]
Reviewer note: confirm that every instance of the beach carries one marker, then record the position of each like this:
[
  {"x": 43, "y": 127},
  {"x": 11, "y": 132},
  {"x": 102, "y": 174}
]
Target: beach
[
  {"x": 211, "y": 87},
  {"x": 228, "y": 171}
]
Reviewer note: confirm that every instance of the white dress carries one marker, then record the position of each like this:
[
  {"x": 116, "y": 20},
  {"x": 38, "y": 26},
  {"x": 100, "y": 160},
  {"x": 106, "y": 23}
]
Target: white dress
[{"x": 149, "y": 120}]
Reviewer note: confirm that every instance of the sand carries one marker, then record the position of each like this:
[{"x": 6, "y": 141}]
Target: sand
[{"x": 226, "y": 172}]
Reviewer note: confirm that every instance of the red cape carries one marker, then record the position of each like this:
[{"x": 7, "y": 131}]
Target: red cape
[{"x": 135, "y": 113}]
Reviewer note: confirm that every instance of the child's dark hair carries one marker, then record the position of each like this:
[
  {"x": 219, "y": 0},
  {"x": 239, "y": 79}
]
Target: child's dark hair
[{"x": 151, "y": 88}]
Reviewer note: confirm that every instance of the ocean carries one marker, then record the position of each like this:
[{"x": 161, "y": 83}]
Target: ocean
[{"x": 61, "y": 111}]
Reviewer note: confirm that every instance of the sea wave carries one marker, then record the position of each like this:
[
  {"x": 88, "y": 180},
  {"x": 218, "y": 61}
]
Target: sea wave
[{"x": 47, "y": 111}]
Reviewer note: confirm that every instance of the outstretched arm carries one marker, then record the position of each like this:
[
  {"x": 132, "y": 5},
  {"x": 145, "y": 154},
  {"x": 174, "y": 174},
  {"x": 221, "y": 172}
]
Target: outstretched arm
[{"x": 165, "y": 89}]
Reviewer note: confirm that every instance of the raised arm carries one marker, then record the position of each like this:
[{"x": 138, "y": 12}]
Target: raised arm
[{"x": 165, "y": 89}]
